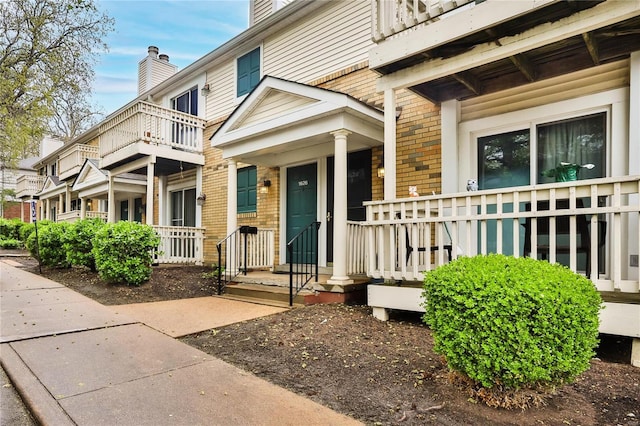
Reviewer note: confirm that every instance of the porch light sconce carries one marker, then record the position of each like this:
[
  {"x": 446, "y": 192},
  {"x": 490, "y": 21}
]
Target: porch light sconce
[
  {"x": 201, "y": 198},
  {"x": 205, "y": 90},
  {"x": 398, "y": 112},
  {"x": 381, "y": 170},
  {"x": 265, "y": 186}
]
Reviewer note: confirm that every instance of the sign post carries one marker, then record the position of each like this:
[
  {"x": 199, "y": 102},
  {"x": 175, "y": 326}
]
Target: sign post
[{"x": 35, "y": 223}]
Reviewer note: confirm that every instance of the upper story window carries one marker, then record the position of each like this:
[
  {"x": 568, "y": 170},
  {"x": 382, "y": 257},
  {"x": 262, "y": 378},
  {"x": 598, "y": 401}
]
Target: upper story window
[
  {"x": 52, "y": 170},
  {"x": 187, "y": 102},
  {"x": 247, "y": 182},
  {"x": 248, "y": 67}
]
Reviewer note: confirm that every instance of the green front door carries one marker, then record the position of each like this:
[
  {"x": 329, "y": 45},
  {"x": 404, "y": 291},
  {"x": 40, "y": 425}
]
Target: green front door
[{"x": 302, "y": 195}]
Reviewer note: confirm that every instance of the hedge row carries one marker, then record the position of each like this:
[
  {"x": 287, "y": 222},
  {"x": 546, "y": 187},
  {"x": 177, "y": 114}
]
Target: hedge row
[{"x": 120, "y": 252}]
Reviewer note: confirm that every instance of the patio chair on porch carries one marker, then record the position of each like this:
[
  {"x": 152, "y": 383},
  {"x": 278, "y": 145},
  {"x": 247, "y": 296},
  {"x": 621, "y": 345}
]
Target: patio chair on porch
[
  {"x": 563, "y": 244},
  {"x": 409, "y": 247}
]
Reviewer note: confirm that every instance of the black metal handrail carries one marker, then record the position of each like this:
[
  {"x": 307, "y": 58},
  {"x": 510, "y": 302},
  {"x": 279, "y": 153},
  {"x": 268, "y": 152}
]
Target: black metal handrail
[
  {"x": 233, "y": 263},
  {"x": 303, "y": 259}
]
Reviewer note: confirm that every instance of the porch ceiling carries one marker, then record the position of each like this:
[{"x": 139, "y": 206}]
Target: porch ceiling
[
  {"x": 283, "y": 122},
  {"x": 603, "y": 45}
]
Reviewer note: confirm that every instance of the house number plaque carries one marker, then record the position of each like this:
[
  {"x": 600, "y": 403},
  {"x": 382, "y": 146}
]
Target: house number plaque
[{"x": 303, "y": 183}]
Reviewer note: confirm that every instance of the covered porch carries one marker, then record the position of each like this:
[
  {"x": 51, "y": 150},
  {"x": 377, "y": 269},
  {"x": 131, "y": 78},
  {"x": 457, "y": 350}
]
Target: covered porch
[{"x": 313, "y": 137}]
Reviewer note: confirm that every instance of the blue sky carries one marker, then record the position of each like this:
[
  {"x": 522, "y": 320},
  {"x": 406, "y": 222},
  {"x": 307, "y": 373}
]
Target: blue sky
[{"x": 183, "y": 29}]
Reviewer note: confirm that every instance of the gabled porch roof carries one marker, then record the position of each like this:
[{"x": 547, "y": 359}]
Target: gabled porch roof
[
  {"x": 281, "y": 122},
  {"x": 52, "y": 187},
  {"x": 94, "y": 182}
]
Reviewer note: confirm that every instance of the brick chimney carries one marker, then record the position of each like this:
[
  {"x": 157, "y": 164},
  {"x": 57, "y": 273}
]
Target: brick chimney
[{"x": 154, "y": 69}]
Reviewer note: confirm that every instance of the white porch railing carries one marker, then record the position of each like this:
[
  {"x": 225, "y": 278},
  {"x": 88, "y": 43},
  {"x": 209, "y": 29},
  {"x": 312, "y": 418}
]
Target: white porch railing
[
  {"x": 390, "y": 17},
  {"x": 96, "y": 215},
  {"x": 150, "y": 123},
  {"x": 28, "y": 185},
  {"x": 260, "y": 249},
  {"x": 72, "y": 159},
  {"x": 180, "y": 244},
  {"x": 356, "y": 248},
  {"x": 70, "y": 216},
  {"x": 408, "y": 236}
]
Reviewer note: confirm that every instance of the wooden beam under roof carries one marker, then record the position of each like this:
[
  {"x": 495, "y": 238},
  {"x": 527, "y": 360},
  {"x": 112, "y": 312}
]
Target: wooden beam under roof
[
  {"x": 524, "y": 65},
  {"x": 592, "y": 47},
  {"x": 469, "y": 81}
]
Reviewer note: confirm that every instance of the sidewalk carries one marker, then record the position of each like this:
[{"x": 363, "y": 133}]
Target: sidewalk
[{"x": 75, "y": 361}]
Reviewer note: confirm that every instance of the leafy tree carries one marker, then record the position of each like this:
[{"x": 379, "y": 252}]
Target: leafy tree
[{"x": 47, "y": 48}]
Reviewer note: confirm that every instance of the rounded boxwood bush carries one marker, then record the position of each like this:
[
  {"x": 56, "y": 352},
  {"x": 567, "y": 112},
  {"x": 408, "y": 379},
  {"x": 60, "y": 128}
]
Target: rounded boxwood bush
[
  {"x": 79, "y": 242},
  {"x": 50, "y": 248},
  {"x": 123, "y": 252},
  {"x": 510, "y": 323}
]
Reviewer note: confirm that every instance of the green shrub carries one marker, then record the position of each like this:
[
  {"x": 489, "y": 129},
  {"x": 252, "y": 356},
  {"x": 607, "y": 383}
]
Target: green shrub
[
  {"x": 510, "y": 323},
  {"x": 50, "y": 249},
  {"x": 9, "y": 243},
  {"x": 10, "y": 228},
  {"x": 28, "y": 228},
  {"x": 79, "y": 242},
  {"x": 123, "y": 252}
]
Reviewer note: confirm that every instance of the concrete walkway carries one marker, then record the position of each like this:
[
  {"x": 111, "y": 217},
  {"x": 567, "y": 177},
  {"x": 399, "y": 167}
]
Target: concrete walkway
[{"x": 75, "y": 361}]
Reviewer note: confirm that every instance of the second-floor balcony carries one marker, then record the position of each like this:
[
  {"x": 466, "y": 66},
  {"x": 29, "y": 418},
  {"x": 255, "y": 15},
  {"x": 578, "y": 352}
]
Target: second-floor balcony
[
  {"x": 146, "y": 129},
  {"x": 28, "y": 185},
  {"x": 72, "y": 159}
]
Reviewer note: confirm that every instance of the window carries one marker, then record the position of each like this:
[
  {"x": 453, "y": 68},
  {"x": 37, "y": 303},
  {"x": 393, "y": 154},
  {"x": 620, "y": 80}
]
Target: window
[
  {"x": 504, "y": 160},
  {"x": 247, "y": 179},
  {"x": 183, "y": 207},
  {"x": 248, "y": 72},
  {"x": 187, "y": 102}
]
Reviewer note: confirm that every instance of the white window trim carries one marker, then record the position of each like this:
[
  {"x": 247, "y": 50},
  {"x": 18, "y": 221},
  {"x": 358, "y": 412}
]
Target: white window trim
[{"x": 614, "y": 102}]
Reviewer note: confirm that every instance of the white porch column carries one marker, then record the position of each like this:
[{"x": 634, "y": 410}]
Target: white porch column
[
  {"x": 111, "y": 200},
  {"x": 389, "y": 144},
  {"x": 67, "y": 199},
  {"x": 163, "y": 210},
  {"x": 47, "y": 209},
  {"x": 42, "y": 208},
  {"x": 83, "y": 208},
  {"x": 232, "y": 196},
  {"x": 340, "y": 239},
  {"x": 198, "y": 192},
  {"x": 150, "y": 173},
  {"x": 60, "y": 207}
]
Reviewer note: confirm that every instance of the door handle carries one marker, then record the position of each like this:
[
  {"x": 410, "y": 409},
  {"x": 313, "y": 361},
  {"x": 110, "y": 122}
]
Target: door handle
[{"x": 328, "y": 217}]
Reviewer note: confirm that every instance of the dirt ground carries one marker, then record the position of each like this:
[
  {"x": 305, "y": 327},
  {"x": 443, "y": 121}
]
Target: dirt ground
[{"x": 382, "y": 373}]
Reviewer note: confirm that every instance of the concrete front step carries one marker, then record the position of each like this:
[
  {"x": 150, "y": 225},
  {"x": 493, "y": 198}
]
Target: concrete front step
[{"x": 272, "y": 295}]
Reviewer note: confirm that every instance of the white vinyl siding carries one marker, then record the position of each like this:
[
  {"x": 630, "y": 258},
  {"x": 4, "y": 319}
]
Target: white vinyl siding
[
  {"x": 335, "y": 38},
  {"x": 276, "y": 104},
  {"x": 591, "y": 80},
  {"x": 221, "y": 100},
  {"x": 260, "y": 10}
]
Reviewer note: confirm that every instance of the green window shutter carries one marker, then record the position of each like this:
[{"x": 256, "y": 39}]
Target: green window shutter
[
  {"x": 247, "y": 195},
  {"x": 248, "y": 72}
]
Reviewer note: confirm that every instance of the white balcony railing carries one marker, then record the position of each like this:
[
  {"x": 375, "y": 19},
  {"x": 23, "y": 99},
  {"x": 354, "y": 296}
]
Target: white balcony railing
[
  {"x": 153, "y": 124},
  {"x": 180, "y": 244},
  {"x": 593, "y": 226},
  {"x": 72, "y": 159},
  {"x": 89, "y": 214},
  {"x": 390, "y": 17},
  {"x": 28, "y": 185},
  {"x": 70, "y": 216}
]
